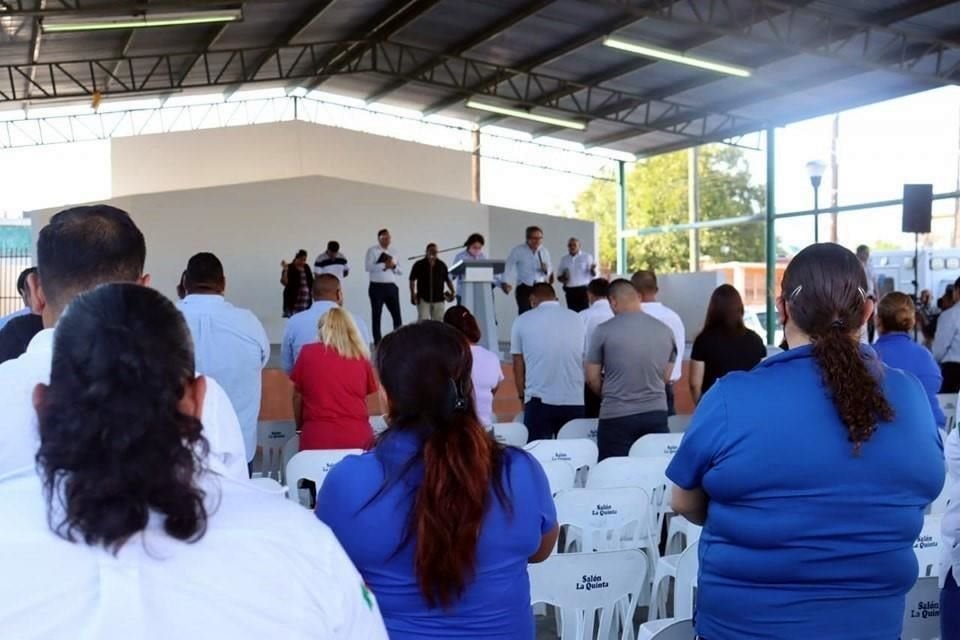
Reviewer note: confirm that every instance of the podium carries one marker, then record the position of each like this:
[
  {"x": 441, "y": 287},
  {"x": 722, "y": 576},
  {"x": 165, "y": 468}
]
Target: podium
[{"x": 478, "y": 280}]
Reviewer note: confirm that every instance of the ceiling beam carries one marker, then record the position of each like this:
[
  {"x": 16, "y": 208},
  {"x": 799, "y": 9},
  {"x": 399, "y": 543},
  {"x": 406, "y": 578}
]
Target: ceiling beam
[
  {"x": 20, "y": 8},
  {"x": 36, "y": 37},
  {"x": 488, "y": 33}
]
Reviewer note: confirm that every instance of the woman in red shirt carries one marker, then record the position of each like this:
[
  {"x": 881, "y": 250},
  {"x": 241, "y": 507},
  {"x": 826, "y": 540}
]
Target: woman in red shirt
[{"x": 332, "y": 379}]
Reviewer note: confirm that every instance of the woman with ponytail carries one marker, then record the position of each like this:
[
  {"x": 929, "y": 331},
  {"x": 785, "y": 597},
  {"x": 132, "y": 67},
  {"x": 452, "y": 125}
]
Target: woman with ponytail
[
  {"x": 439, "y": 518},
  {"x": 810, "y": 474},
  {"x": 123, "y": 532}
]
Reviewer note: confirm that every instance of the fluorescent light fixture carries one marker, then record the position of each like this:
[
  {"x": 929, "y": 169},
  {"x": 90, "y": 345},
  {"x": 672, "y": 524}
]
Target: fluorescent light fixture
[
  {"x": 64, "y": 24},
  {"x": 651, "y": 51},
  {"x": 527, "y": 115}
]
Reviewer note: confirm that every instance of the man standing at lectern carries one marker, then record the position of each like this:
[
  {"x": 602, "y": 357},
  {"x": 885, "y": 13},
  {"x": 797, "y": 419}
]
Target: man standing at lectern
[
  {"x": 531, "y": 263},
  {"x": 381, "y": 263}
]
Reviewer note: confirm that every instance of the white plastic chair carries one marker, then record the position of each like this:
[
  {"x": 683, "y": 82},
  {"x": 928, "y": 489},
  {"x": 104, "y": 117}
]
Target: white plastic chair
[
  {"x": 271, "y": 436},
  {"x": 269, "y": 485},
  {"x": 656, "y": 444},
  {"x": 606, "y": 519},
  {"x": 511, "y": 434},
  {"x": 583, "y": 585},
  {"x": 648, "y": 474},
  {"x": 560, "y": 475},
  {"x": 673, "y": 630},
  {"x": 927, "y": 547},
  {"x": 378, "y": 424},
  {"x": 921, "y": 617},
  {"x": 579, "y": 428},
  {"x": 948, "y": 404},
  {"x": 678, "y": 424},
  {"x": 313, "y": 465},
  {"x": 680, "y": 533},
  {"x": 290, "y": 449},
  {"x": 580, "y": 452},
  {"x": 683, "y": 569}
]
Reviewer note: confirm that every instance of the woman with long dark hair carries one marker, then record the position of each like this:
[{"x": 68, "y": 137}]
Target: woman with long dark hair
[
  {"x": 810, "y": 474},
  {"x": 440, "y": 519},
  {"x": 124, "y": 533},
  {"x": 486, "y": 372},
  {"x": 724, "y": 344}
]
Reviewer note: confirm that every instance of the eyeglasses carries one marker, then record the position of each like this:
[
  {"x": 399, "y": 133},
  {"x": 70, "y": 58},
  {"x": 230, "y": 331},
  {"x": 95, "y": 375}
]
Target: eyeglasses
[{"x": 534, "y": 237}]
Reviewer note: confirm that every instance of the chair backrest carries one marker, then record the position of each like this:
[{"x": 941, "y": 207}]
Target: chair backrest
[
  {"x": 927, "y": 547},
  {"x": 580, "y": 452},
  {"x": 679, "y": 630},
  {"x": 921, "y": 617},
  {"x": 289, "y": 450},
  {"x": 560, "y": 475},
  {"x": 378, "y": 424},
  {"x": 948, "y": 404},
  {"x": 688, "y": 569},
  {"x": 313, "y": 465},
  {"x": 606, "y": 519},
  {"x": 271, "y": 436},
  {"x": 269, "y": 485},
  {"x": 678, "y": 424},
  {"x": 512, "y": 434},
  {"x": 579, "y": 428},
  {"x": 656, "y": 444},
  {"x": 583, "y": 585},
  {"x": 648, "y": 474}
]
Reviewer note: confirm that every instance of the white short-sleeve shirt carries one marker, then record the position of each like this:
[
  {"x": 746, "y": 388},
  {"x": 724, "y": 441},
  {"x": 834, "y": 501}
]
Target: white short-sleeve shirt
[
  {"x": 487, "y": 374},
  {"x": 578, "y": 269},
  {"x": 550, "y": 339},
  {"x": 669, "y": 317}
]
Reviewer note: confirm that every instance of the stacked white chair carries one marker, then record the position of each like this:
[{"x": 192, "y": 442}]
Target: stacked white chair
[
  {"x": 596, "y": 593},
  {"x": 927, "y": 547},
  {"x": 579, "y": 428},
  {"x": 560, "y": 475},
  {"x": 921, "y": 617},
  {"x": 580, "y": 452},
  {"x": 656, "y": 444},
  {"x": 313, "y": 465},
  {"x": 648, "y": 474},
  {"x": 948, "y": 404},
  {"x": 512, "y": 434},
  {"x": 606, "y": 519},
  {"x": 683, "y": 569},
  {"x": 271, "y": 436}
]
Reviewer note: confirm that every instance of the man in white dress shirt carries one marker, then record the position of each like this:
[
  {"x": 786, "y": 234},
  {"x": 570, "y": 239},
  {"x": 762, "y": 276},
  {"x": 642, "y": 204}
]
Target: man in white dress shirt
[
  {"x": 79, "y": 249},
  {"x": 547, "y": 349},
  {"x": 530, "y": 262},
  {"x": 382, "y": 263},
  {"x": 593, "y": 316},
  {"x": 645, "y": 282},
  {"x": 576, "y": 270}
]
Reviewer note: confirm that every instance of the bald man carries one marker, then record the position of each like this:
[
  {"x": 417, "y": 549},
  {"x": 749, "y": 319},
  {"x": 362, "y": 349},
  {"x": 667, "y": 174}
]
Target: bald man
[
  {"x": 302, "y": 328},
  {"x": 577, "y": 269},
  {"x": 628, "y": 364}
]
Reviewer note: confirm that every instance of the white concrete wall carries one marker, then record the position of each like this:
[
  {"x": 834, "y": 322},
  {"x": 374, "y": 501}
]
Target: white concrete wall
[
  {"x": 236, "y": 155},
  {"x": 689, "y": 295},
  {"x": 252, "y": 227},
  {"x": 507, "y": 230}
]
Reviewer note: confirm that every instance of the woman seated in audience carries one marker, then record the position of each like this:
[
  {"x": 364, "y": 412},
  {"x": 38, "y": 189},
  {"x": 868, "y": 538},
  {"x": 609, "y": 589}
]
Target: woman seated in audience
[
  {"x": 725, "y": 344},
  {"x": 122, "y": 532},
  {"x": 896, "y": 316},
  {"x": 331, "y": 381},
  {"x": 486, "y": 374},
  {"x": 439, "y": 518},
  {"x": 810, "y": 474}
]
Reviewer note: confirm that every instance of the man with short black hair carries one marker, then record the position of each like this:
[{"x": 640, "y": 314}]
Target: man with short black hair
[
  {"x": 18, "y": 329},
  {"x": 629, "y": 361},
  {"x": 24, "y": 292},
  {"x": 79, "y": 249},
  {"x": 645, "y": 282},
  {"x": 547, "y": 348},
  {"x": 593, "y": 316},
  {"x": 428, "y": 277},
  {"x": 531, "y": 264},
  {"x": 229, "y": 343},
  {"x": 332, "y": 262},
  {"x": 383, "y": 265}
]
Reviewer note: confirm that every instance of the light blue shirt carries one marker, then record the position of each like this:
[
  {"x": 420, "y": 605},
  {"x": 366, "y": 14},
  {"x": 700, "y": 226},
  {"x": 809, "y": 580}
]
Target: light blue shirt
[
  {"x": 302, "y": 330},
  {"x": 527, "y": 264},
  {"x": 10, "y": 316},
  {"x": 231, "y": 346},
  {"x": 550, "y": 339}
]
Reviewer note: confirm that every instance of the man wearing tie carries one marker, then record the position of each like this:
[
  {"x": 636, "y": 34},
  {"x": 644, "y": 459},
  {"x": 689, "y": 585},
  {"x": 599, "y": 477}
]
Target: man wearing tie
[
  {"x": 531, "y": 262},
  {"x": 577, "y": 269},
  {"x": 381, "y": 263}
]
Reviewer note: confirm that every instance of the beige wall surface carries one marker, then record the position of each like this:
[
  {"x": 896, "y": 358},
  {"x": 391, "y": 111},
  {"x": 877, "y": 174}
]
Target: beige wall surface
[{"x": 254, "y": 153}]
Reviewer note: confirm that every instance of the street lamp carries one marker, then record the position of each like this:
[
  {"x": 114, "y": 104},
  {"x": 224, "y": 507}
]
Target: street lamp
[{"x": 815, "y": 169}]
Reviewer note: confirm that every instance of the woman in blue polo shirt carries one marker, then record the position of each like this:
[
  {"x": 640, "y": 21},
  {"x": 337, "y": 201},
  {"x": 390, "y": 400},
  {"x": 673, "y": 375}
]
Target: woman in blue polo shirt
[
  {"x": 810, "y": 474},
  {"x": 439, "y": 519}
]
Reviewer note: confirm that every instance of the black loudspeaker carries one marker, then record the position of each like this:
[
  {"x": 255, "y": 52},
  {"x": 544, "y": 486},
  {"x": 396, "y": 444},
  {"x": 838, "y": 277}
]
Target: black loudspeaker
[{"x": 917, "y": 205}]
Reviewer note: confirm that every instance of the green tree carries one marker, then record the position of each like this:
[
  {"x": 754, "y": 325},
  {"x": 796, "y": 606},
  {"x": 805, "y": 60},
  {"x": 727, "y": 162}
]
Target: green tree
[{"x": 657, "y": 196}]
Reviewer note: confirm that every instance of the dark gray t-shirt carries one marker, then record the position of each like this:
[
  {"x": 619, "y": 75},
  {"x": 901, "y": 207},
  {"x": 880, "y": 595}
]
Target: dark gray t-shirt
[{"x": 634, "y": 350}]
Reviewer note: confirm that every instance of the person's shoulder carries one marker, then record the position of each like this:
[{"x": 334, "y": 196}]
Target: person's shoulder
[{"x": 22, "y": 323}]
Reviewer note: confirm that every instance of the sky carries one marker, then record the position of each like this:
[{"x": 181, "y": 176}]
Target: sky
[{"x": 881, "y": 147}]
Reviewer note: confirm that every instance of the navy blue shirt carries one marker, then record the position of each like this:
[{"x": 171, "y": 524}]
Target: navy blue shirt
[
  {"x": 898, "y": 350},
  {"x": 803, "y": 538},
  {"x": 371, "y": 527}
]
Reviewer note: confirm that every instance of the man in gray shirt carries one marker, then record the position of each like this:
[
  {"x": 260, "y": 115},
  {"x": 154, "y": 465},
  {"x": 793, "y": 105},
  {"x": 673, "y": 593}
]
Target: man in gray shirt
[{"x": 629, "y": 361}]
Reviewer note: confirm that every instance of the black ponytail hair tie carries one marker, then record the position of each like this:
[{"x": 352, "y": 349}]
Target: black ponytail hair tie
[{"x": 839, "y": 325}]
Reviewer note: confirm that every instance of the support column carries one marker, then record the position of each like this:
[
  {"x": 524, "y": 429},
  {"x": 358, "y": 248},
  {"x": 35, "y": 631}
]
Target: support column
[
  {"x": 621, "y": 218},
  {"x": 475, "y": 165},
  {"x": 834, "y": 178},
  {"x": 693, "y": 205},
  {"x": 771, "y": 237}
]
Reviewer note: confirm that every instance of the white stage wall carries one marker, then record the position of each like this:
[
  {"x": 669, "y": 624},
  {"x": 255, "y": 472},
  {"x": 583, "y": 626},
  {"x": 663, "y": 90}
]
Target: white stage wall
[{"x": 253, "y": 226}]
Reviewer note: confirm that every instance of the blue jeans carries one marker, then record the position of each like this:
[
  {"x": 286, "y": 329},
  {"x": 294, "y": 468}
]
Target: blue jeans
[
  {"x": 950, "y": 609},
  {"x": 544, "y": 420},
  {"x": 615, "y": 436}
]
